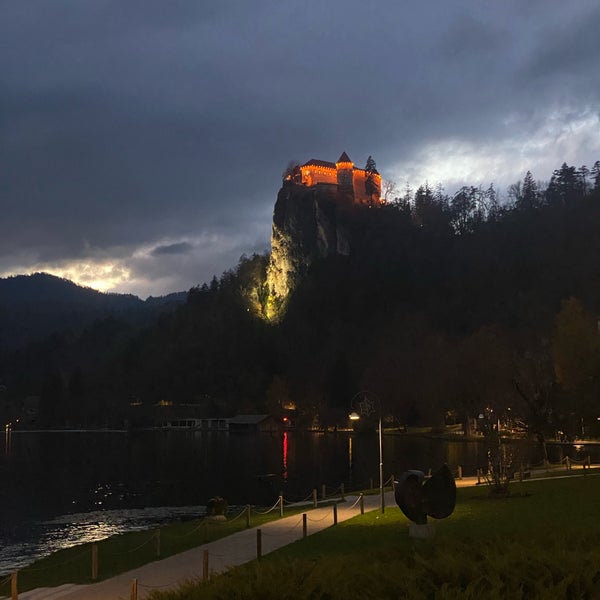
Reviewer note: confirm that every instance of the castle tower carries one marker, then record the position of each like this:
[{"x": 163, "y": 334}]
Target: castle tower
[{"x": 345, "y": 175}]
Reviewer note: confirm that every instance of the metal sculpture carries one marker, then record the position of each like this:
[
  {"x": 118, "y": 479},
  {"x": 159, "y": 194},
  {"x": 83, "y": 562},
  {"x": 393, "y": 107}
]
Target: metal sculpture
[{"x": 419, "y": 497}]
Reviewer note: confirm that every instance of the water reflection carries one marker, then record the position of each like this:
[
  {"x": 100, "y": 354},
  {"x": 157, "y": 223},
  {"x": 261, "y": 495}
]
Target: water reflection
[
  {"x": 26, "y": 542},
  {"x": 285, "y": 454},
  {"x": 7, "y": 439}
]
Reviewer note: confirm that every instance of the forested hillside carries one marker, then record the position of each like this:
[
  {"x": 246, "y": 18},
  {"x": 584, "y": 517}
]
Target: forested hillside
[
  {"x": 445, "y": 308},
  {"x": 34, "y": 306}
]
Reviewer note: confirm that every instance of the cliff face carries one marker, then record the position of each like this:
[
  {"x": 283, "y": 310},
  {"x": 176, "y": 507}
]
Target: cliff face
[{"x": 307, "y": 223}]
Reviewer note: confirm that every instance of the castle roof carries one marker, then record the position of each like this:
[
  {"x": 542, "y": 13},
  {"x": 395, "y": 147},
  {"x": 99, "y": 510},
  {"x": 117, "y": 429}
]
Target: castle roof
[
  {"x": 315, "y": 162},
  {"x": 344, "y": 158}
]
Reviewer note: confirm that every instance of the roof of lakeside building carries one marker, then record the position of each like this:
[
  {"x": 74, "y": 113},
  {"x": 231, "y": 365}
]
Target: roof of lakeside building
[
  {"x": 248, "y": 419},
  {"x": 344, "y": 158}
]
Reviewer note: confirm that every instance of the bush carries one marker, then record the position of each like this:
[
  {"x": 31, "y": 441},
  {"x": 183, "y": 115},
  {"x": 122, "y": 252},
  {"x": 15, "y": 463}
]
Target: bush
[{"x": 216, "y": 506}]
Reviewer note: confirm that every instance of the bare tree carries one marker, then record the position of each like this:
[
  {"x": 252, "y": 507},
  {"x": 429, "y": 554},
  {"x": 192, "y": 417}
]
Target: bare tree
[{"x": 389, "y": 189}]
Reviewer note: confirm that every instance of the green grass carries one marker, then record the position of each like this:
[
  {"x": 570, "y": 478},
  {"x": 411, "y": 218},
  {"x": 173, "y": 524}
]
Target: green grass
[
  {"x": 121, "y": 553},
  {"x": 542, "y": 542}
]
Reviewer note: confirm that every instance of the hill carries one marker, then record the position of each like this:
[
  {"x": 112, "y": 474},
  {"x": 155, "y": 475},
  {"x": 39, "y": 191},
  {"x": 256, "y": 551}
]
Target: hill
[{"x": 34, "y": 306}]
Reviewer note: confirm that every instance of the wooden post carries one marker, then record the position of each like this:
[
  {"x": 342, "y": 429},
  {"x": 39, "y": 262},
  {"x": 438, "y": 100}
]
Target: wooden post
[
  {"x": 371, "y": 483},
  {"x": 568, "y": 463},
  {"x": 478, "y": 476},
  {"x": 14, "y": 589},
  {"x": 133, "y": 590},
  {"x": 589, "y": 462},
  {"x": 361, "y": 501},
  {"x": 342, "y": 491},
  {"x": 281, "y": 506},
  {"x": 258, "y": 543},
  {"x": 247, "y": 515},
  {"x": 157, "y": 542},
  {"x": 94, "y": 562},
  {"x": 315, "y": 502},
  {"x": 205, "y": 565},
  {"x": 335, "y": 514},
  {"x": 323, "y": 491},
  {"x": 459, "y": 472},
  {"x": 304, "y": 532}
]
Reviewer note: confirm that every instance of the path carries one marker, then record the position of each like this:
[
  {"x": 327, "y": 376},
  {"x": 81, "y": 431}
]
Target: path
[{"x": 233, "y": 550}]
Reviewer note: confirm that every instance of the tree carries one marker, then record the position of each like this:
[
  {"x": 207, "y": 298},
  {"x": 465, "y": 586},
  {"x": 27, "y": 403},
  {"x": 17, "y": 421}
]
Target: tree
[
  {"x": 465, "y": 209},
  {"x": 491, "y": 206},
  {"x": 533, "y": 379},
  {"x": 529, "y": 193},
  {"x": 370, "y": 186},
  {"x": 482, "y": 375},
  {"x": 595, "y": 173},
  {"x": 370, "y": 167},
  {"x": 565, "y": 186},
  {"x": 389, "y": 189},
  {"x": 583, "y": 173},
  {"x": 514, "y": 192},
  {"x": 576, "y": 357},
  {"x": 431, "y": 213},
  {"x": 292, "y": 172}
]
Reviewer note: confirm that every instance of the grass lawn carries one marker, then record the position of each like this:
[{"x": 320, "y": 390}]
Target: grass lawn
[{"x": 542, "y": 542}]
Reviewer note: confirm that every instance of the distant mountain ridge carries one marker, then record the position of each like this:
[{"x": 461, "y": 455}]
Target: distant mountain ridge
[{"x": 35, "y": 306}]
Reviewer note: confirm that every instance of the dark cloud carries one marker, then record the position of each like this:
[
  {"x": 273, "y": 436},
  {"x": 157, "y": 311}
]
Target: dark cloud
[
  {"x": 132, "y": 126},
  {"x": 180, "y": 248}
]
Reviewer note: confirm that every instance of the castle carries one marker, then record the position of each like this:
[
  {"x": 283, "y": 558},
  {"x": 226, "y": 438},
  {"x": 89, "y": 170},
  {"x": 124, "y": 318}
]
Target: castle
[{"x": 361, "y": 185}]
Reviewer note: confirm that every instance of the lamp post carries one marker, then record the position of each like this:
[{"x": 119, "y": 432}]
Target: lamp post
[{"x": 364, "y": 407}]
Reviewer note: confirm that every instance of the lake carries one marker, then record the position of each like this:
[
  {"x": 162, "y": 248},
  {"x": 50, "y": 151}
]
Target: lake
[{"x": 60, "y": 489}]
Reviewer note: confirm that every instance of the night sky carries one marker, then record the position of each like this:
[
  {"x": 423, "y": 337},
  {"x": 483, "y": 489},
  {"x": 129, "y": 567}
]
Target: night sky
[{"x": 142, "y": 142}]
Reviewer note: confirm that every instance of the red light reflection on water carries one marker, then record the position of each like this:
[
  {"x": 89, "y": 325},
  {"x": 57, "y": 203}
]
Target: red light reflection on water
[{"x": 285, "y": 454}]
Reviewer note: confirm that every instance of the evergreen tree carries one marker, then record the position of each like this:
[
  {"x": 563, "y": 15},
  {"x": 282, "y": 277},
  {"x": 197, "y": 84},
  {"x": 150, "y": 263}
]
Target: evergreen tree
[
  {"x": 370, "y": 187},
  {"x": 565, "y": 186},
  {"x": 529, "y": 197},
  {"x": 595, "y": 173},
  {"x": 370, "y": 167}
]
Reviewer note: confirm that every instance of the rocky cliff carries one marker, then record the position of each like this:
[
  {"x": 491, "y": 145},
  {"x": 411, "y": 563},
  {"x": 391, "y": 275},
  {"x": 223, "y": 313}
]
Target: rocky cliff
[{"x": 308, "y": 222}]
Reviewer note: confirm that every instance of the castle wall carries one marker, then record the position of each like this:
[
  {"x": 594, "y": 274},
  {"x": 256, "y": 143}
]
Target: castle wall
[
  {"x": 350, "y": 179},
  {"x": 345, "y": 179},
  {"x": 313, "y": 174}
]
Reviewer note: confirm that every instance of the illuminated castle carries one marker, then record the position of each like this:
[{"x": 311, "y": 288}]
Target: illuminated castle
[{"x": 361, "y": 185}]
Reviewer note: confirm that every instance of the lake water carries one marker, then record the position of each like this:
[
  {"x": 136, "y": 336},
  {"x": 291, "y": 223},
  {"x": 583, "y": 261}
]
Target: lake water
[{"x": 60, "y": 489}]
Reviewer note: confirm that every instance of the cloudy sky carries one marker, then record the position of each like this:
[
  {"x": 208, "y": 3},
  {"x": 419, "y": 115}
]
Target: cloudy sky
[{"x": 142, "y": 141}]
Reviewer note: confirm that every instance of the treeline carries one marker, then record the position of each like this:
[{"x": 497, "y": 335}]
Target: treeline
[{"x": 448, "y": 307}]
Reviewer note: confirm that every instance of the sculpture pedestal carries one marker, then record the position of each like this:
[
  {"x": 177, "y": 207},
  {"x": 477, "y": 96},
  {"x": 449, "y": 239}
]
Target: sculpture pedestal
[{"x": 423, "y": 532}]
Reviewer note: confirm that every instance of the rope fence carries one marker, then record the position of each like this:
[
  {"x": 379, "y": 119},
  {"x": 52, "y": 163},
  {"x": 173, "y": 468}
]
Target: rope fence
[
  {"x": 60, "y": 564},
  {"x": 260, "y": 533},
  {"x": 266, "y": 512},
  {"x": 284, "y": 531}
]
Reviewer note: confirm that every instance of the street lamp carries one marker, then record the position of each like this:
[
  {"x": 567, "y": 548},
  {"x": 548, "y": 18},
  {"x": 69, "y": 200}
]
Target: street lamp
[{"x": 365, "y": 408}]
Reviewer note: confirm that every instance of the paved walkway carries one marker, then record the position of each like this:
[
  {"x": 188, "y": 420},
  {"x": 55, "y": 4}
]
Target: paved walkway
[
  {"x": 226, "y": 552},
  {"x": 230, "y": 551}
]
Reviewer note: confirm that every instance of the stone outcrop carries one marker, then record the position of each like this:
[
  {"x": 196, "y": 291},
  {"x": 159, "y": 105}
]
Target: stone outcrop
[{"x": 308, "y": 223}]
